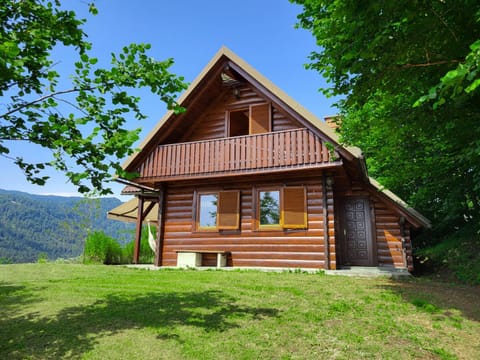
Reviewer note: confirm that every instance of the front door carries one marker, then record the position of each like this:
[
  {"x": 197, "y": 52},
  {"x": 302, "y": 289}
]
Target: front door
[{"x": 357, "y": 232}]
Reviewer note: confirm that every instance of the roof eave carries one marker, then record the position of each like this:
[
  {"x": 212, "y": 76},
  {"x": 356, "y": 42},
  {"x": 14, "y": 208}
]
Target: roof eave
[{"x": 414, "y": 217}]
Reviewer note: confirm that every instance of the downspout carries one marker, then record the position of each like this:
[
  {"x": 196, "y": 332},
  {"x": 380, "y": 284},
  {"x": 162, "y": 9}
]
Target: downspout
[
  {"x": 325, "y": 222},
  {"x": 404, "y": 243}
]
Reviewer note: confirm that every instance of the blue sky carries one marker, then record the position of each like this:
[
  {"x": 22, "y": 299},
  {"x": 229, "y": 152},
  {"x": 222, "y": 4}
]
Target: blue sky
[{"x": 262, "y": 32}]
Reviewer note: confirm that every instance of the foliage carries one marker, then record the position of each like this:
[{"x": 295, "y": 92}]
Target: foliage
[
  {"x": 100, "y": 248},
  {"x": 83, "y": 123},
  {"x": 42, "y": 258},
  {"x": 32, "y": 224},
  {"x": 93, "y": 312},
  {"x": 147, "y": 256},
  {"x": 459, "y": 254},
  {"x": 384, "y": 57},
  {"x": 462, "y": 80}
]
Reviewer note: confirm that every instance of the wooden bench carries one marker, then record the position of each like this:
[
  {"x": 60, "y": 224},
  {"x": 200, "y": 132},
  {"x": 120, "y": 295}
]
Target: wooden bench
[{"x": 193, "y": 258}]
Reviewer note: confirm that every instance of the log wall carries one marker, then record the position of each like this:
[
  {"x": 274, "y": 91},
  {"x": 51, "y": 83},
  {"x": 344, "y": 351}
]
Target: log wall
[
  {"x": 390, "y": 251},
  {"x": 248, "y": 246},
  {"x": 286, "y": 248}
]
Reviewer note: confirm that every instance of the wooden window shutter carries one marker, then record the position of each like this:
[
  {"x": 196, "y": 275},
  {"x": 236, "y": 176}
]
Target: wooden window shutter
[
  {"x": 294, "y": 207},
  {"x": 260, "y": 119},
  {"x": 228, "y": 210}
]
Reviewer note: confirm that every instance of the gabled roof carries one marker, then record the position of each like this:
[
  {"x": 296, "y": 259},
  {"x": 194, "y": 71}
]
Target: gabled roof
[
  {"x": 226, "y": 56},
  {"x": 200, "y": 87}
]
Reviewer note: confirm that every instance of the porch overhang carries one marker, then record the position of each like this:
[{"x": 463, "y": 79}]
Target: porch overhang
[{"x": 128, "y": 211}]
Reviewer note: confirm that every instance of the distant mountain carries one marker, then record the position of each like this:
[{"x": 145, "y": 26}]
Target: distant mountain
[{"x": 54, "y": 225}]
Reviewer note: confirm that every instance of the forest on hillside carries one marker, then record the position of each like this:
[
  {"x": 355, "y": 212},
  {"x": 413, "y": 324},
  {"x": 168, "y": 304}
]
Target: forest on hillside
[{"x": 53, "y": 226}]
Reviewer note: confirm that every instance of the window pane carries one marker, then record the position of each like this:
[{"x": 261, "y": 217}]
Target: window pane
[
  {"x": 269, "y": 207},
  {"x": 208, "y": 210}
]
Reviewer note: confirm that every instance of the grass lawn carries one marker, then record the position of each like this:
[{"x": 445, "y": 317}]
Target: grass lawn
[{"x": 100, "y": 312}]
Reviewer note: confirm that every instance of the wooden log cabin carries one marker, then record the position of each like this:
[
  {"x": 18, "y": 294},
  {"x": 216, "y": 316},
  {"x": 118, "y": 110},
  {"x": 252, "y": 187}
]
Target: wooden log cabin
[{"x": 247, "y": 177}]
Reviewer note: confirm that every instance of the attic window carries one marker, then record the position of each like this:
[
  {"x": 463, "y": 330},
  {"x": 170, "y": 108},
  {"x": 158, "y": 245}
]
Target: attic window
[
  {"x": 256, "y": 119},
  {"x": 238, "y": 122}
]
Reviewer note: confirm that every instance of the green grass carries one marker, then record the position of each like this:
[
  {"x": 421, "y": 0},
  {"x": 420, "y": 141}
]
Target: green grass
[{"x": 100, "y": 312}]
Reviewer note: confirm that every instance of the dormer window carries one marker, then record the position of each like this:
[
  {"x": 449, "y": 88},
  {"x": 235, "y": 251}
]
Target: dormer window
[{"x": 255, "y": 119}]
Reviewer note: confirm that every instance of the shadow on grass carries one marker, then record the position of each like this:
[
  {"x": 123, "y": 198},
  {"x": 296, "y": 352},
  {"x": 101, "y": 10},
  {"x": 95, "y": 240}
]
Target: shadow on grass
[
  {"x": 75, "y": 330},
  {"x": 437, "y": 296},
  {"x": 13, "y": 297}
]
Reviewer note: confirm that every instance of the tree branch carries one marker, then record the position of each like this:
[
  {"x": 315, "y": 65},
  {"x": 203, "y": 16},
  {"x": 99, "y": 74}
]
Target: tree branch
[
  {"x": 43, "y": 98},
  {"x": 445, "y": 23},
  {"x": 72, "y": 105},
  {"x": 435, "y": 63}
]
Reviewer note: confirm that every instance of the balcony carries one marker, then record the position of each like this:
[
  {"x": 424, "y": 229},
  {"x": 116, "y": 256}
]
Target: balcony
[{"x": 269, "y": 152}]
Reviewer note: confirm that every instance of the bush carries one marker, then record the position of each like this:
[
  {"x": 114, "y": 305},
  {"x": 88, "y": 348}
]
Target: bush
[
  {"x": 457, "y": 253},
  {"x": 42, "y": 258},
  {"x": 146, "y": 254},
  {"x": 100, "y": 248}
]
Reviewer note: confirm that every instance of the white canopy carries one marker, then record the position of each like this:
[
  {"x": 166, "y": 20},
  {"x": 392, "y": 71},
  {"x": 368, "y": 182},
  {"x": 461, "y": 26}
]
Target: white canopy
[{"x": 128, "y": 211}]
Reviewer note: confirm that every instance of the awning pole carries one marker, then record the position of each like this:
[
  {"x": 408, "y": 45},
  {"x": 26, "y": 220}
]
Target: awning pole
[{"x": 138, "y": 232}]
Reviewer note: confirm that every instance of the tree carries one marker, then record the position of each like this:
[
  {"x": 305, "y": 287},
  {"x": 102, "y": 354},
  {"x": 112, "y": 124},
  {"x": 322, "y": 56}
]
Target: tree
[
  {"x": 80, "y": 226},
  {"x": 83, "y": 124},
  {"x": 269, "y": 208},
  {"x": 408, "y": 78}
]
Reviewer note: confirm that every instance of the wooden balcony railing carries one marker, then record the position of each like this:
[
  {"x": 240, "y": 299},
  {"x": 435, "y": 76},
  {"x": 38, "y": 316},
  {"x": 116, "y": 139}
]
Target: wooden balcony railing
[{"x": 262, "y": 152}]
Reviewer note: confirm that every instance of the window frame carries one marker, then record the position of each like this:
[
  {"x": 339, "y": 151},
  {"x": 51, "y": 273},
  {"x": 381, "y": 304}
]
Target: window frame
[
  {"x": 258, "y": 203},
  {"x": 217, "y": 227},
  {"x": 281, "y": 226}
]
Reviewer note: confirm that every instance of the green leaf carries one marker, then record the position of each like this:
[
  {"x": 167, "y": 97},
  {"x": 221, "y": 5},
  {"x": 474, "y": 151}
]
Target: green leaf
[{"x": 472, "y": 86}]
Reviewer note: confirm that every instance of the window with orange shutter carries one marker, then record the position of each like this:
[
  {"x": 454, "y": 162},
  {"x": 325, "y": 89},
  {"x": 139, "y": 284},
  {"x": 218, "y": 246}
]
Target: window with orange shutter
[
  {"x": 294, "y": 208},
  {"x": 218, "y": 210},
  {"x": 282, "y": 208}
]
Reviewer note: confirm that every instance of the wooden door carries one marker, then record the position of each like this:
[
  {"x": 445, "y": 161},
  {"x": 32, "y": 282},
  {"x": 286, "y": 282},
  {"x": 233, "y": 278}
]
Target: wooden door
[{"x": 358, "y": 244}]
